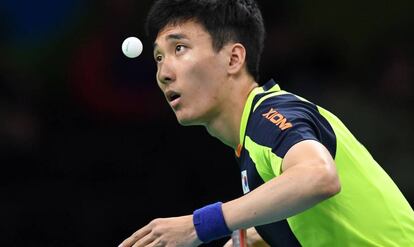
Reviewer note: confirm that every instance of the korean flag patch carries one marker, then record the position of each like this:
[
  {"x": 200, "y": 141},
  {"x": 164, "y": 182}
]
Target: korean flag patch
[{"x": 245, "y": 182}]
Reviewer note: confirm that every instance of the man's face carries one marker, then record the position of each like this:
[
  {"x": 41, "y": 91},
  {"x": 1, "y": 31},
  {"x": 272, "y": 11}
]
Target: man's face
[{"x": 190, "y": 73}]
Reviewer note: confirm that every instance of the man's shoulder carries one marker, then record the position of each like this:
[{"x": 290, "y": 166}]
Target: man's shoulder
[
  {"x": 279, "y": 109},
  {"x": 282, "y": 120},
  {"x": 273, "y": 114}
]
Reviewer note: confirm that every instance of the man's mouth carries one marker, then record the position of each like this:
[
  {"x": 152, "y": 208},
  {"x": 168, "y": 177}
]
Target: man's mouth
[{"x": 173, "y": 98}]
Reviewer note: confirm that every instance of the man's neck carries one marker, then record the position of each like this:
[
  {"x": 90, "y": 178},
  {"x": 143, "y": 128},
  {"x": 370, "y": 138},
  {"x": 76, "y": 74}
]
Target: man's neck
[{"x": 226, "y": 126}]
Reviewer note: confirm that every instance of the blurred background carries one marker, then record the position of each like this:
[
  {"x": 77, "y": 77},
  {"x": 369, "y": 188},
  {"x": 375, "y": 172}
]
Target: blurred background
[{"x": 90, "y": 151}]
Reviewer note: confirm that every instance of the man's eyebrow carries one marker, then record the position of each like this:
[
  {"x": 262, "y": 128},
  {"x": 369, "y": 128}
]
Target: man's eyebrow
[
  {"x": 173, "y": 36},
  {"x": 176, "y": 36}
]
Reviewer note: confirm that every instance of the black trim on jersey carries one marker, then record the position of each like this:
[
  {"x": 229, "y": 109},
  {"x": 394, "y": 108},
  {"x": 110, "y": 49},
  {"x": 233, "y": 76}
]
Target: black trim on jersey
[
  {"x": 268, "y": 85},
  {"x": 286, "y": 238}
]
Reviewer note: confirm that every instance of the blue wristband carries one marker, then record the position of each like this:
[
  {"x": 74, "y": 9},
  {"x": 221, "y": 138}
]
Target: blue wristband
[{"x": 209, "y": 223}]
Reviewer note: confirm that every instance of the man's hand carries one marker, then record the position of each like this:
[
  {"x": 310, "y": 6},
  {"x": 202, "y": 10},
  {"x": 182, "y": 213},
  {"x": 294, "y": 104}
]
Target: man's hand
[
  {"x": 253, "y": 239},
  {"x": 177, "y": 231}
]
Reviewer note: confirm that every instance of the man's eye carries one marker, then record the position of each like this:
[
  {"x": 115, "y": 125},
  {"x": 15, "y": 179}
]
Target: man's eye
[
  {"x": 179, "y": 48},
  {"x": 158, "y": 58}
]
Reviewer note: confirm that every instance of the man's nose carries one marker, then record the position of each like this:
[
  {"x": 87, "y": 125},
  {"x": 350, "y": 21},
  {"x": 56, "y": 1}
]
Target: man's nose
[{"x": 166, "y": 73}]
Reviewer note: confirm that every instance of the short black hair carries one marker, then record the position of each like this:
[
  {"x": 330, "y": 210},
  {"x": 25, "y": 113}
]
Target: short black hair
[{"x": 225, "y": 20}]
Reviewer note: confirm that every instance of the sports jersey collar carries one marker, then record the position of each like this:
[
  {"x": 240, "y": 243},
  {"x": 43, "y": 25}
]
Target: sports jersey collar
[{"x": 270, "y": 86}]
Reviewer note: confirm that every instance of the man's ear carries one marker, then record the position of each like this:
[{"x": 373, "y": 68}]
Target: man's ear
[{"x": 237, "y": 58}]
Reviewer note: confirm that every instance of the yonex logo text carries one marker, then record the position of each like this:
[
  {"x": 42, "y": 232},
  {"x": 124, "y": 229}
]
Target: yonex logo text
[{"x": 278, "y": 119}]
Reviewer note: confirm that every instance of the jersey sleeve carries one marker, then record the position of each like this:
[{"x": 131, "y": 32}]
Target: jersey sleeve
[{"x": 282, "y": 123}]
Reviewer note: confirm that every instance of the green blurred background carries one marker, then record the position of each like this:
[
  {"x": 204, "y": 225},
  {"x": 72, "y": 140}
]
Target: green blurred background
[{"x": 90, "y": 152}]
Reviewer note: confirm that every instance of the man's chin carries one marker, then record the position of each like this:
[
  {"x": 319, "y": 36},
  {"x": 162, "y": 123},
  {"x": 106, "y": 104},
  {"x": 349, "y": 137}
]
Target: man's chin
[{"x": 186, "y": 121}]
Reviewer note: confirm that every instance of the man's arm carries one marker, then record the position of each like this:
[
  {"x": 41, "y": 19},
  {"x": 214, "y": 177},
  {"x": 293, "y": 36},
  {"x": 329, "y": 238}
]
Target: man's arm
[{"x": 308, "y": 177}]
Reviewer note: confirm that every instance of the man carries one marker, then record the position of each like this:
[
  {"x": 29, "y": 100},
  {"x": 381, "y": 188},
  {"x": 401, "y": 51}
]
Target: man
[{"x": 307, "y": 180}]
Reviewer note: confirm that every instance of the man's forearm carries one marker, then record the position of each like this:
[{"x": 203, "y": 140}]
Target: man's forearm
[{"x": 296, "y": 190}]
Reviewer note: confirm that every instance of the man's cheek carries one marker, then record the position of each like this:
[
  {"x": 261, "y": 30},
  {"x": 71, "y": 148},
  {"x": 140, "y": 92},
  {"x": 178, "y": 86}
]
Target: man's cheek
[{"x": 199, "y": 74}]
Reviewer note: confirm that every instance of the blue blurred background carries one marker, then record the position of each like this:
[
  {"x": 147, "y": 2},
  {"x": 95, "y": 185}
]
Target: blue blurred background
[{"x": 90, "y": 152}]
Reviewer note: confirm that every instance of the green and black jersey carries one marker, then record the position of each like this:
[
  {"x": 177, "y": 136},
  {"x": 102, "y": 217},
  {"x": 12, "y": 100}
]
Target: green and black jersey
[{"x": 370, "y": 210}]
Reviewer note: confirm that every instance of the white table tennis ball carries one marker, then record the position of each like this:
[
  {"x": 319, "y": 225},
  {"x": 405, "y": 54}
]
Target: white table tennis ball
[{"x": 132, "y": 47}]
